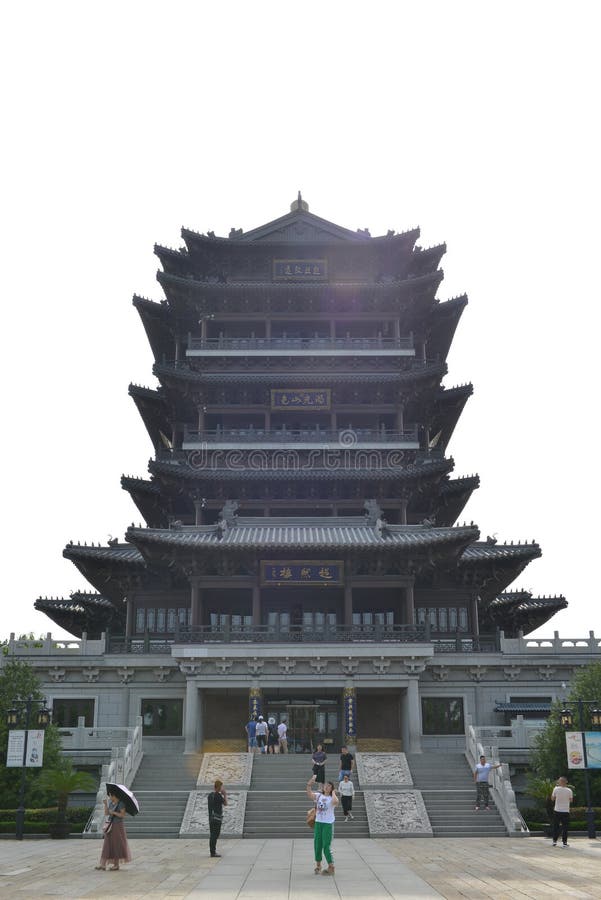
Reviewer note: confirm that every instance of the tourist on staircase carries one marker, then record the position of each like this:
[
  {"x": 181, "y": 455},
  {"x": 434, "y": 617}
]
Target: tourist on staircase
[
  {"x": 481, "y": 773},
  {"x": 319, "y": 764}
]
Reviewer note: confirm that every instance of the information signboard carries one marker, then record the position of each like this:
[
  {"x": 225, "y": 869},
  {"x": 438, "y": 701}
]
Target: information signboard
[{"x": 16, "y": 745}]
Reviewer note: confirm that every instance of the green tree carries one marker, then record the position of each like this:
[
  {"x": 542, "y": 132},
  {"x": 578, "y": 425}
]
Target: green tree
[
  {"x": 19, "y": 681},
  {"x": 548, "y": 758},
  {"x": 62, "y": 781}
]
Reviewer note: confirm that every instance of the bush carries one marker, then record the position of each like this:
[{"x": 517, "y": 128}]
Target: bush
[{"x": 38, "y": 821}]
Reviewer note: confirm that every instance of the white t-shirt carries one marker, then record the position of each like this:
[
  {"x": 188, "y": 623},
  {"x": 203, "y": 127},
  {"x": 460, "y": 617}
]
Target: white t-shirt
[
  {"x": 282, "y": 729},
  {"x": 563, "y": 796},
  {"x": 325, "y": 809},
  {"x": 483, "y": 771},
  {"x": 261, "y": 728},
  {"x": 346, "y": 788}
]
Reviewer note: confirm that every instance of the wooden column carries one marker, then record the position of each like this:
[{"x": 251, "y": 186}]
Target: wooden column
[
  {"x": 198, "y": 512},
  {"x": 403, "y": 510},
  {"x": 348, "y": 604},
  {"x": 196, "y": 611},
  {"x": 256, "y": 605},
  {"x": 409, "y": 604},
  {"x": 475, "y": 626},
  {"x": 129, "y": 616}
]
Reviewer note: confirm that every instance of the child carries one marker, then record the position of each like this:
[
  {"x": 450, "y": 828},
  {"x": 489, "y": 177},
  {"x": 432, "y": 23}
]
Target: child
[{"x": 346, "y": 789}]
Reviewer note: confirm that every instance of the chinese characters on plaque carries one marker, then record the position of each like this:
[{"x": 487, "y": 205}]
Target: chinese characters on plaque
[
  {"x": 301, "y": 399},
  {"x": 278, "y": 572},
  {"x": 299, "y": 269}
]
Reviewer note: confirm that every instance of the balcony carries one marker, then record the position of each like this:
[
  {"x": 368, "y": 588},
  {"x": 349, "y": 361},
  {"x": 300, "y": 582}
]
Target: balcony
[
  {"x": 301, "y": 346},
  {"x": 267, "y": 634},
  {"x": 301, "y": 439}
]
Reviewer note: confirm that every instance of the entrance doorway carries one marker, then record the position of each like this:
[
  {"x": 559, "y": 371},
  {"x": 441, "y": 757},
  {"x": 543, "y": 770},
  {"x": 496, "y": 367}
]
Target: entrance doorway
[
  {"x": 310, "y": 720},
  {"x": 302, "y": 728}
]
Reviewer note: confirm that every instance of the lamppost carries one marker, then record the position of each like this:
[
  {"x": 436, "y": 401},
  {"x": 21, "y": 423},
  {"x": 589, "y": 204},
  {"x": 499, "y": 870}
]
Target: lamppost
[
  {"x": 21, "y": 714},
  {"x": 567, "y": 720}
]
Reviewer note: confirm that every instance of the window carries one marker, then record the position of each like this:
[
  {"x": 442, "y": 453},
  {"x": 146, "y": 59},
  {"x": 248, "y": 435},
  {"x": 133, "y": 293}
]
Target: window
[
  {"x": 66, "y": 712},
  {"x": 442, "y": 715},
  {"x": 443, "y": 618},
  {"x": 162, "y": 718}
]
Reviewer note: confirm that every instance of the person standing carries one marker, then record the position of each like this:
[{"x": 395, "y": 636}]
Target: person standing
[
  {"x": 261, "y": 732},
  {"x": 319, "y": 764},
  {"x": 251, "y": 732},
  {"x": 346, "y": 763},
  {"x": 481, "y": 773},
  {"x": 346, "y": 789},
  {"x": 325, "y": 804},
  {"x": 216, "y": 800},
  {"x": 272, "y": 736},
  {"x": 115, "y": 848},
  {"x": 283, "y": 736},
  {"x": 562, "y": 796}
]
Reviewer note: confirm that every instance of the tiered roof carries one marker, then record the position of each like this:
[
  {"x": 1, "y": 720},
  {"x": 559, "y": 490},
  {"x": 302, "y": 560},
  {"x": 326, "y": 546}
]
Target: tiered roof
[{"x": 368, "y": 278}]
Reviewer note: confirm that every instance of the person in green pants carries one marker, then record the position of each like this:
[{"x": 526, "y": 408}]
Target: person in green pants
[{"x": 325, "y": 804}]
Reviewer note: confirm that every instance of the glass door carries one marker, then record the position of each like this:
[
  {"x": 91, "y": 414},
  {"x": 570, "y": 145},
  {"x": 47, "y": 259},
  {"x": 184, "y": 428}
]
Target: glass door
[{"x": 302, "y": 728}]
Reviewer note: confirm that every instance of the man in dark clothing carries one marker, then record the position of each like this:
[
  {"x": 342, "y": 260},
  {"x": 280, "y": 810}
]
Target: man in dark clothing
[
  {"x": 216, "y": 800},
  {"x": 346, "y": 763}
]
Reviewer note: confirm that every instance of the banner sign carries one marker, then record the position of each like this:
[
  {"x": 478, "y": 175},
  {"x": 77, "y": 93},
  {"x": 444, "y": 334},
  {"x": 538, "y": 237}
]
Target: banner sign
[
  {"x": 593, "y": 749},
  {"x": 301, "y": 399},
  {"x": 279, "y": 572},
  {"x": 299, "y": 269},
  {"x": 350, "y": 715},
  {"x": 254, "y": 703},
  {"x": 16, "y": 745},
  {"x": 575, "y": 750}
]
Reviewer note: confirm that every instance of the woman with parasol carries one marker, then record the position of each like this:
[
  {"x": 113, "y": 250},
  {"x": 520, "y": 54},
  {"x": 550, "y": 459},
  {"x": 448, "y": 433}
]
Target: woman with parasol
[{"x": 115, "y": 848}]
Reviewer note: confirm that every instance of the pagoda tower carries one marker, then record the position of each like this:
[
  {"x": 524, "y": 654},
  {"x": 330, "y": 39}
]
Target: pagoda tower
[{"x": 299, "y": 485}]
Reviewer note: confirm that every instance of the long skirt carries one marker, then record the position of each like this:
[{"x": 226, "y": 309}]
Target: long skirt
[{"x": 115, "y": 848}]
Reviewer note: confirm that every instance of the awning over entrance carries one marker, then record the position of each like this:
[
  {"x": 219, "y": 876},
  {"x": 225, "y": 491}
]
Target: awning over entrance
[{"x": 520, "y": 708}]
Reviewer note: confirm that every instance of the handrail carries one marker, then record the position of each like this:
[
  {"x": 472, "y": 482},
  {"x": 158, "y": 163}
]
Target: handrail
[
  {"x": 500, "y": 781},
  {"x": 122, "y": 769},
  {"x": 268, "y": 634},
  {"x": 301, "y": 343},
  {"x": 344, "y": 436}
]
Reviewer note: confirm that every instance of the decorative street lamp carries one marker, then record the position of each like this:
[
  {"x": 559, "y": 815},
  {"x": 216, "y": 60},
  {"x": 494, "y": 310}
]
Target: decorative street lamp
[
  {"x": 567, "y": 721},
  {"x": 21, "y": 714}
]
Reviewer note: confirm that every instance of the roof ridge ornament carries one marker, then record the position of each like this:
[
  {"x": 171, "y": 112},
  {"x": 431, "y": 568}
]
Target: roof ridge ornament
[{"x": 299, "y": 205}]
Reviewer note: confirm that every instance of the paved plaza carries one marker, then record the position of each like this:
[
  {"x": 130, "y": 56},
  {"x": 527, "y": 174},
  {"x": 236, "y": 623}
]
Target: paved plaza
[{"x": 500, "y": 868}]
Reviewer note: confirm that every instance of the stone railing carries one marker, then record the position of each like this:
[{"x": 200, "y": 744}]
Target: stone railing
[
  {"x": 500, "y": 782},
  {"x": 89, "y": 738},
  {"x": 52, "y": 647},
  {"x": 519, "y": 735},
  {"x": 124, "y": 764},
  {"x": 555, "y": 644}
]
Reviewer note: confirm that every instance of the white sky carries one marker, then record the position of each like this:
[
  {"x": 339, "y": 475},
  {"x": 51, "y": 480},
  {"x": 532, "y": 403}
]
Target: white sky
[{"x": 124, "y": 121}]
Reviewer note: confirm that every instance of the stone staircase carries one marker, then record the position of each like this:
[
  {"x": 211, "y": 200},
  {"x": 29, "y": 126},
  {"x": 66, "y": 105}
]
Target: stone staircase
[
  {"x": 276, "y": 804},
  {"x": 162, "y": 786},
  {"x": 446, "y": 783}
]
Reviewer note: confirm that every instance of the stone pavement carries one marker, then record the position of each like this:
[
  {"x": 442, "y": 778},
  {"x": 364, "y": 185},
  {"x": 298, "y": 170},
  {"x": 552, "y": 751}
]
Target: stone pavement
[{"x": 499, "y": 869}]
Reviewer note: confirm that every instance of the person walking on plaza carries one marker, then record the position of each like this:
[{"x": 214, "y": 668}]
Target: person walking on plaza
[
  {"x": 346, "y": 763},
  {"x": 319, "y": 764},
  {"x": 562, "y": 796},
  {"x": 346, "y": 789},
  {"x": 261, "y": 732},
  {"x": 283, "y": 737},
  {"x": 481, "y": 773},
  {"x": 251, "y": 732},
  {"x": 115, "y": 848},
  {"x": 216, "y": 800},
  {"x": 325, "y": 803}
]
